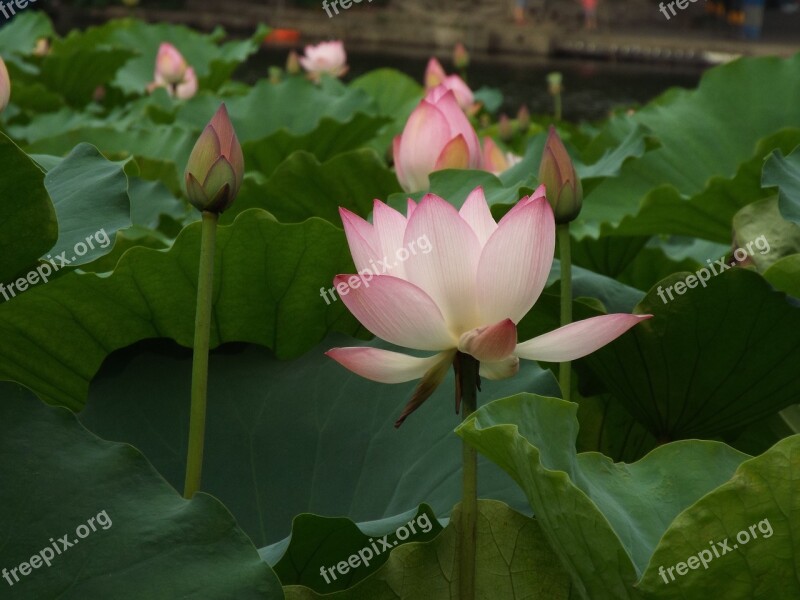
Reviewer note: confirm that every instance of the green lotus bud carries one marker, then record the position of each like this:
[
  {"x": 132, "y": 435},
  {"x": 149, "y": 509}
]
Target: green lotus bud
[
  {"x": 216, "y": 166},
  {"x": 554, "y": 80},
  {"x": 562, "y": 184},
  {"x": 523, "y": 118}
]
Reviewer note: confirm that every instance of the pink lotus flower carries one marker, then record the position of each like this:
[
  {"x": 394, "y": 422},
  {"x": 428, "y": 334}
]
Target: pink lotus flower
[
  {"x": 466, "y": 295},
  {"x": 170, "y": 64},
  {"x": 435, "y": 76},
  {"x": 5, "y": 86},
  {"x": 437, "y": 136},
  {"x": 327, "y": 57},
  {"x": 495, "y": 160},
  {"x": 188, "y": 87}
]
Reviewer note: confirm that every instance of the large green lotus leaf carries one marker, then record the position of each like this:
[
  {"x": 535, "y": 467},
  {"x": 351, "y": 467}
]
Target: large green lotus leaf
[
  {"x": 55, "y": 336},
  {"x": 305, "y": 436},
  {"x": 90, "y": 195},
  {"x": 396, "y": 95},
  {"x": 213, "y": 63},
  {"x": 607, "y": 427},
  {"x": 295, "y": 105},
  {"x": 19, "y": 36},
  {"x": 302, "y": 187},
  {"x": 700, "y": 137},
  {"x": 318, "y": 542},
  {"x": 513, "y": 556},
  {"x": 785, "y": 275},
  {"x": 711, "y": 360},
  {"x": 784, "y": 172},
  {"x": 28, "y": 227},
  {"x": 708, "y": 213},
  {"x": 756, "y": 513},
  {"x": 603, "y": 519},
  {"x": 75, "y": 72},
  {"x": 126, "y": 533},
  {"x": 330, "y": 138}
]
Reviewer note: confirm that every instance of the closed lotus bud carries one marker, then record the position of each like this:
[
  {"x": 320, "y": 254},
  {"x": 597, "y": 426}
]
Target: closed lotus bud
[
  {"x": 170, "y": 64},
  {"x": 216, "y": 166},
  {"x": 554, "y": 83},
  {"x": 293, "y": 64},
  {"x": 504, "y": 128},
  {"x": 562, "y": 184},
  {"x": 434, "y": 74},
  {"x": 523, "y": 118},
  {"x": 460, "y": 56},
  {"x": 5, "y": 86},
  {"x": 188, "y": 87}
]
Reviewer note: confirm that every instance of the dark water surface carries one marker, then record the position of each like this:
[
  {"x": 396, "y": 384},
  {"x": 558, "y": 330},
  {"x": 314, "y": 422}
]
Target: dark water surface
[{"x": 591, "y": 88}]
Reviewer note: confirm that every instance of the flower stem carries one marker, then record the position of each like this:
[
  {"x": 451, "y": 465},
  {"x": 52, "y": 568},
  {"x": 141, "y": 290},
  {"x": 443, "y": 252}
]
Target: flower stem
[
  {"x": 565, "y": 368},
  {"x": 202, "y": 333},
  {"x": 557, "y": 106},
  {"x": 468, "y": 374}
]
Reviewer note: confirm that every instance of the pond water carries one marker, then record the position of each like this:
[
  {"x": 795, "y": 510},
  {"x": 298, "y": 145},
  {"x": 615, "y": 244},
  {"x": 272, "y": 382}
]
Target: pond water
[{"x": 591, "y": 88}]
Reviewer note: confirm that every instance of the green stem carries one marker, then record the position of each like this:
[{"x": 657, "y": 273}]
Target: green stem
[
  {"x": 557, "y": 103},
  {"x": 202, "y": 333},
  {"x": 565, "y": 368},
  {"x": 468, "y": 375}
]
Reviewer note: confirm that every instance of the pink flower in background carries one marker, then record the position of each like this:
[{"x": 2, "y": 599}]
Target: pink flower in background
[
  {"x": 327, "y": 57},
  {"x": 170, "y": 64},
  {"x": 495, "y": 160},
  {"x": 188, "y": 87},
  {"x": 435, "y": 76},
  {"x": 437, "y": 136},
  {"x": 466, "y": 295},
  {"x": 5, "y": 86}
]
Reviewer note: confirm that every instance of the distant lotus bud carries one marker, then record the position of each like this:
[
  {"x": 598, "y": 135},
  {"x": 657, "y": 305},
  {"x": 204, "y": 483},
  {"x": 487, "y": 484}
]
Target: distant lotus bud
[
  {"x": 188, "y": 87},
  {"x": 495, "y": 160},
  {"x": 327, "y": 57},
  {"x": 99, "y": 93},
  {"x": 216, "y": 166},
  {"x": 523, "y": 119},
  {"x": 562, "y": 184},
  {"x": 275, "y": 75},
  {"x": 170, "y": 64},
  {"x": 434, "y": 74},
  {"x": 437, "y": 136},
  {"x": 460, "y": 56},
  {"x": 504, "y": 128},
  {"x": 293, "y": 64},
  {"x": 5, "y": 86},
  {"x": 554, "y": 83}
]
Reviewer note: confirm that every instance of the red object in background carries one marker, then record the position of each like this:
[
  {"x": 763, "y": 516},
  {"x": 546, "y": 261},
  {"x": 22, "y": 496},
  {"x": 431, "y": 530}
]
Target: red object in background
[{"x": 283, "y": 36}]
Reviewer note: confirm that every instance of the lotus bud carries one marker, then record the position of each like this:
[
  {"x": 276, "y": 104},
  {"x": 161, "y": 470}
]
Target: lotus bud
[
  {"x": 562, "y": 184},
  {"x": 216, "y": 166},
  {"x": 554, "y": 83},
  {"x": 434, "y": 74},
  {"x": 170, "y": 64},
  {"x": 293, "y": 64},
  {"x": 5, "y": 86},
  {"x": 504, "y": 128},
  {"x": 188, "y": 87},
  {"x": 523, "y": 119},
  {"x": 275, "y": 75},
  {"x": 460, "y": 56}
]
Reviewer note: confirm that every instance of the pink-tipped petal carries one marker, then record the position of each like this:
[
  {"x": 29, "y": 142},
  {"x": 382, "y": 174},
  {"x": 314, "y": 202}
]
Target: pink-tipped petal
[
  {"x": 475, "y": 211},
  {"x": 426, "y": 133},
  {"x": 578, "y": 339},
  {"x": 447, "y": 271},
  {"x": 515, "y": 263},
  {"x": 490, "y": 343},
  {"x": 459, "y": 124},
  {"x": 502, "y": 369},
  {"x": 396, "y": 311},
  {"x": 383, "y": 366},
  {"x": 494, "y": 160},
  {"x": 361, "y": 238},
  {"x": 434, "y": 74}
]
